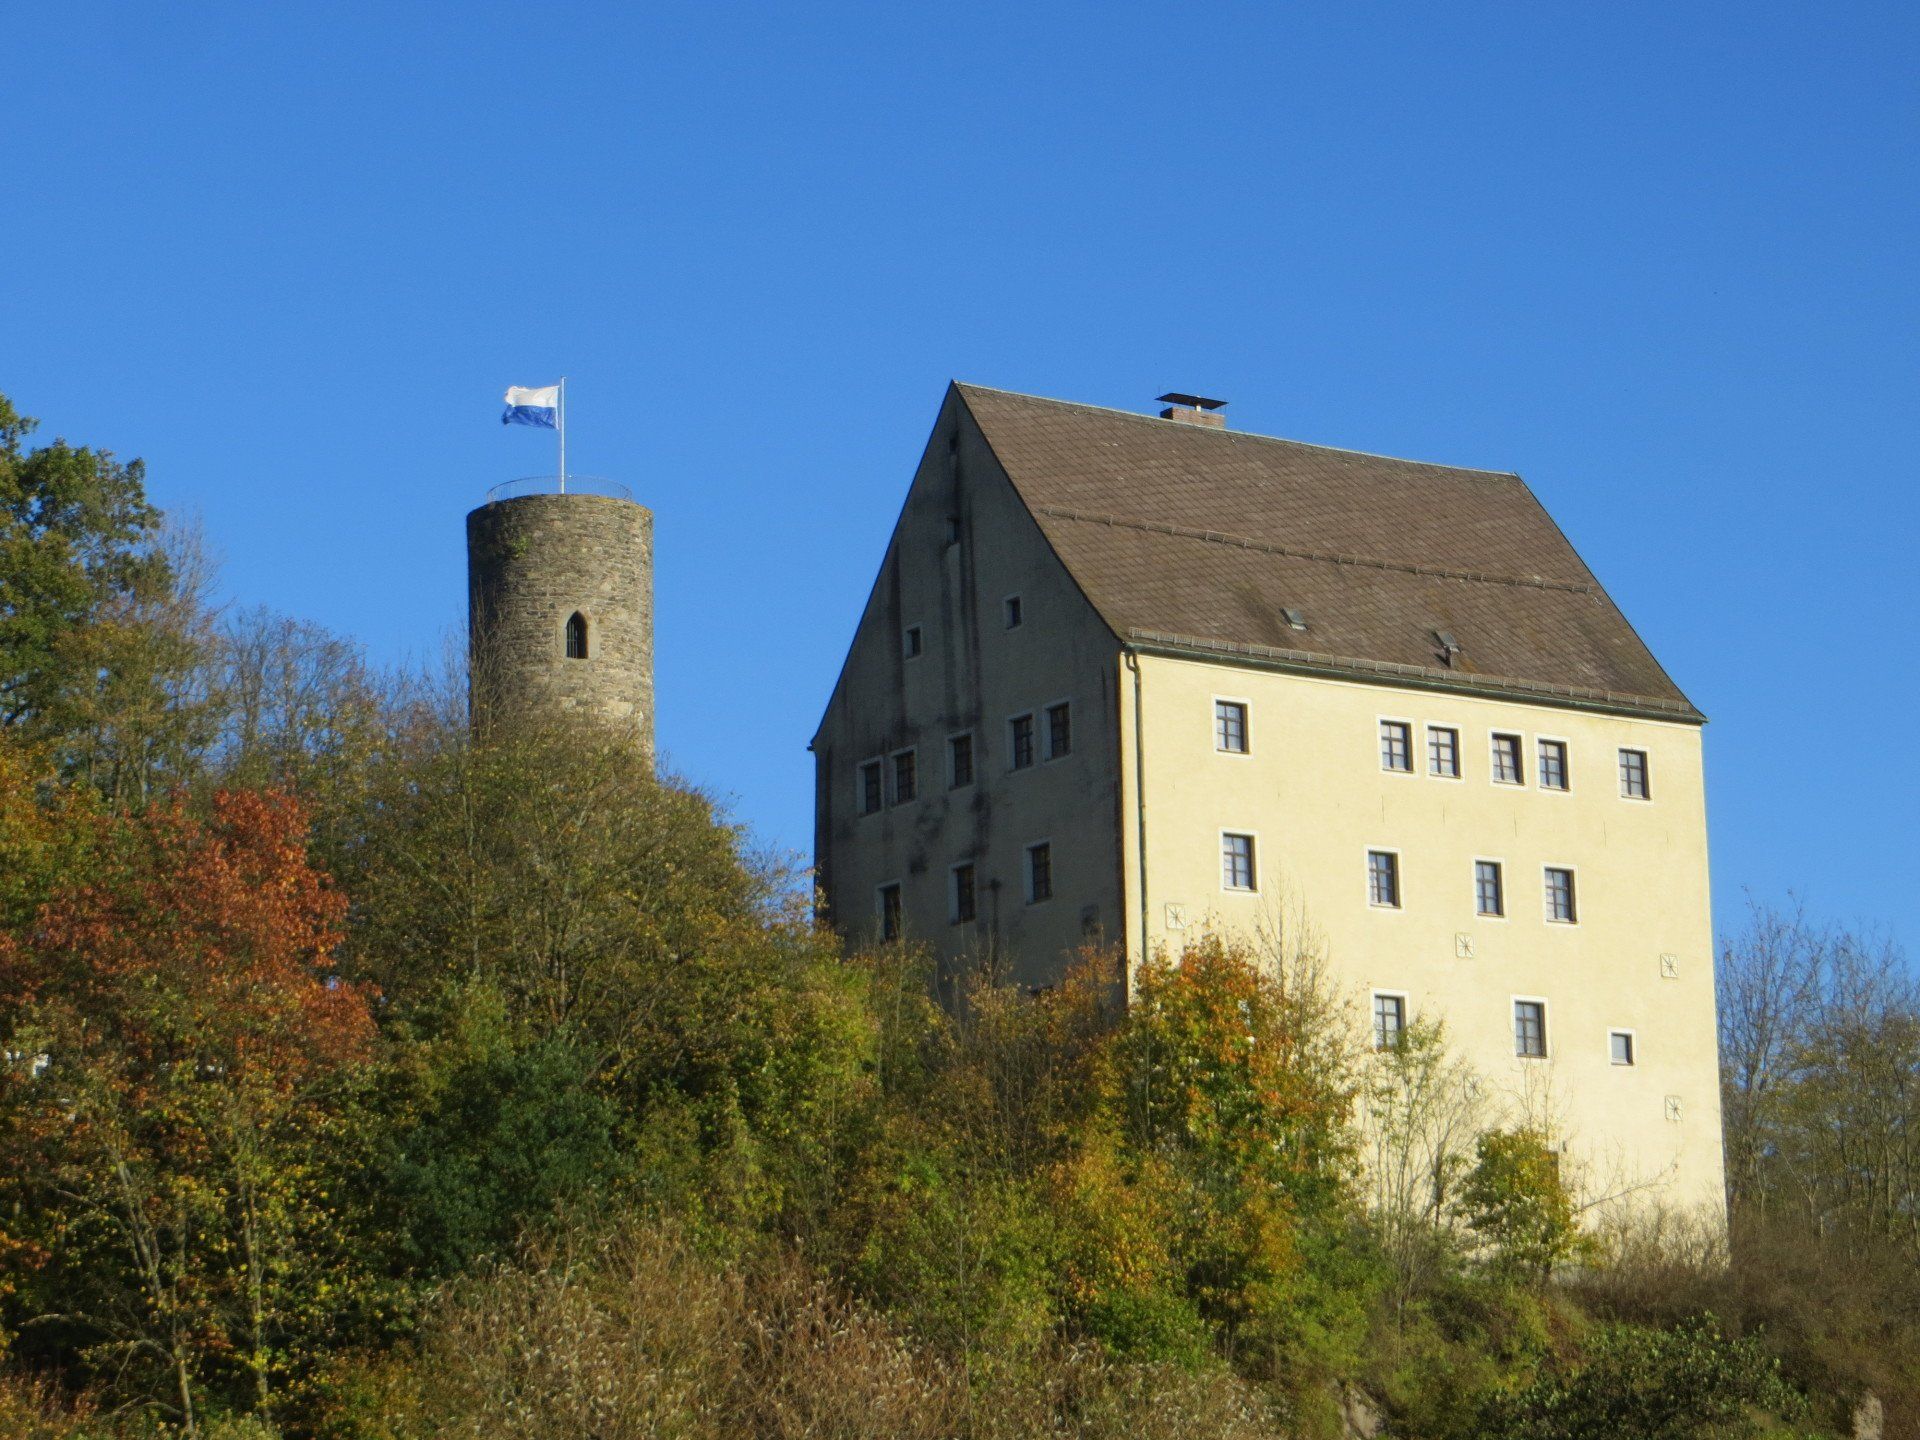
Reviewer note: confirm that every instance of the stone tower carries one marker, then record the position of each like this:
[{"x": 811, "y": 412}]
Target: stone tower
[{"x": 560, "y": 600}]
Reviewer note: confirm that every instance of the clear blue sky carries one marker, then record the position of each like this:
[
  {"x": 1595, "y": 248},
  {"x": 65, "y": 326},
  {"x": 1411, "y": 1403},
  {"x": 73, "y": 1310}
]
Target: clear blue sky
[{"x": 1664, "y": 260}]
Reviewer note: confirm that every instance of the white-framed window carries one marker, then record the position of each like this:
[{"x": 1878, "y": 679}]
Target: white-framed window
[
  {"x": 1443, "y": 751},
  {"x": 1550, "y": 760},
  {"x": 1506, "y": 759},
  {"x": 960, "y": 760},
  {"x": 910, "y": 642},
  {"x": 1059, "y": 730},
  {"x": 871, "y": 787},
  {"x": 1530, "y": 1027},
  {"x": 1621, "y": 1048},
  {"x": 1396, "y": 746},
  {"x": 962, "y": 898},
  {"x": 1237, "y": 861},
  {"x": 1020, "y": 741},
  {"x": 1230, "y": 735},
  {"x": 906, "y": 776},
  {"x": 886, "y": 906},
  {"x": 1489, "y": 889},
  {"x": 1389, "y": 1019},
  {"x": 1039, "y": 872},
  {"x": 1011, "y": 612},
  {"x": 1635, "y": 781},
  {"x": 1562, "y": 905},
  {"x": 1383, "y": 879}
]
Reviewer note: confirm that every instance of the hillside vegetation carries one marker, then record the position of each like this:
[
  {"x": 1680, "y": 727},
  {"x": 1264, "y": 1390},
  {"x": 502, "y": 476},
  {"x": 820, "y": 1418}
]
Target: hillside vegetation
[{"x": 362, "y": 1078}]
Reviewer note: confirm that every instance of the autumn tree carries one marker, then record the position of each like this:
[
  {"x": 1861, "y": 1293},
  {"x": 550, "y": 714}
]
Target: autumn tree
[{"x": 172, "y": 1022}]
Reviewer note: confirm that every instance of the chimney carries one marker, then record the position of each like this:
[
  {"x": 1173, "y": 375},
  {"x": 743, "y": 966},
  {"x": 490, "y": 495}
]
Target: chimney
[{"x": 1193, "y": 410}]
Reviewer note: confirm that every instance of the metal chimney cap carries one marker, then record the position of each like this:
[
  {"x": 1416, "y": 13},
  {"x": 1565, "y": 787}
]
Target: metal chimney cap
[{"x": 1198, "y": 402}]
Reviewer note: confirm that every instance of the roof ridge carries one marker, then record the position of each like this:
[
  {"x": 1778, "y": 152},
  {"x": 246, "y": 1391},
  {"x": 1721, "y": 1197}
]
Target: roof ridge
[
  {"x": 1334, "y": 557},
  {"x": 1240, "y": 434}
]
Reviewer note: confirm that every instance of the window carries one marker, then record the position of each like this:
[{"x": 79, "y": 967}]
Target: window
[
  {"x": 871, "y": 795},
  {"x": 1236, "y": 862},
  {"x": 1039, "y": 873},
  {"x": 1012, "y": 607},
  {"x": 910, "y": 642},
  {"x": 906, "y": 778},
  {"x": 1383, "y": 879},
  {"x": 889, "y": 899},
  {"x": 960, "y": 761},
  {"x": 1506, "y": 760},
  {"x": 1230, "y": 726},
  {"x": 1059, "y": 730},
  {"x": 576, "y": 636},
  {"x": 1389, "y": 1021},
  {"x": 1489, "y": 896},
  {"x": 1530, "y": 1029},
  {"x": 1620, "y": 1046},
  {"x": 1553, "y": 764},
  {"x": 1560, "y": 905},
  {"x": 1443, "y": 752},
  {"x": 1022, "y": 747},
  {"x": 953, "y": 529},
  {"x": 1633, "y": 775},
  {"x": 1396, "y": 746},
  {"x": 962, "y": 908}
]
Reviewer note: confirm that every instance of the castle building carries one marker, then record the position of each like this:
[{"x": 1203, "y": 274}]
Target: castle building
[{"x": 1132, "y": 678}]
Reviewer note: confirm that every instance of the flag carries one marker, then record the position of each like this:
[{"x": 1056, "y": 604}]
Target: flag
[{"x": 532, "y": 405}]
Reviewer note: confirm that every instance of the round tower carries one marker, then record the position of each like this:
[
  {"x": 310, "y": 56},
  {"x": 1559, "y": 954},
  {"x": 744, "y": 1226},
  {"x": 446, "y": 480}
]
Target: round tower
[{"x": 560, "y": 600}]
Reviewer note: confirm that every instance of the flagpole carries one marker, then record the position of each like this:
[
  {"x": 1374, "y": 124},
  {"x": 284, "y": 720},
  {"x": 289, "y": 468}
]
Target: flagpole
[{"x": 563, "y": 434}]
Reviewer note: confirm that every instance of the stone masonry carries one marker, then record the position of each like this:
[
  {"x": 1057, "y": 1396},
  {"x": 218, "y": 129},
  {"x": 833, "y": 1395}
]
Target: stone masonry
[{"x": 533, "y": 563}]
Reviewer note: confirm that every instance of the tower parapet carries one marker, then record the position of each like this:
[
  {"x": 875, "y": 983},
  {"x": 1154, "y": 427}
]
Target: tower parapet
[{"x": 560, "y": 607}]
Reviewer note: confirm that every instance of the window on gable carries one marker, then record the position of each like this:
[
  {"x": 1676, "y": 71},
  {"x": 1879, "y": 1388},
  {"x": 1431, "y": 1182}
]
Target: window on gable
[
  {"x": 1443, "y": 752},
  {"x": 964, "y": 906},
  {"x": 872, "y": 797},
  {"x": 1530, "y": 1029},
  {"x": 1489, "y": 894},
  {"x": 1012, "y": 612},
  {"x": 1506, "y": 760},
  {"x": 1553, "y": 764},
  {"x": 1236, "y": 862},
  {"x": 1620, "y": 1046},
  {"x": 1059, "y": 730},
  {"x": 1396, "y": 746},
  {"x": 1389, "y": 1021},
  {"x": 910, "y": 642},
  {"x": 960, "y": 761},
  {"x": 1020, "y": 731},
  {"x": 576, "y": 636},
  {"x": 1560, "y": 899},
  {"x": 889, "y": 905},
  {"x": 906, "y": 777},
  {"x": 1039, "y": 873}
]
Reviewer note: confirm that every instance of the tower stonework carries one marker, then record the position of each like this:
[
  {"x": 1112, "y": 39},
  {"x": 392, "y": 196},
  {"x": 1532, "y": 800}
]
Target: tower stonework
[{"x": 560, "y": 606}]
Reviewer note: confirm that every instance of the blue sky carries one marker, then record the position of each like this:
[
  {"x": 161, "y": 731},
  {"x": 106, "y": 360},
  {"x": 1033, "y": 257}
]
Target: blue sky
[{"x": 1659, "y": 259}]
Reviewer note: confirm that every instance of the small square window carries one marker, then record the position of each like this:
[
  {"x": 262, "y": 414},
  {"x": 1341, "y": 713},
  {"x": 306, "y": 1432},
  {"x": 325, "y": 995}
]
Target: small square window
[
  {"x": 963, "y": 907},
  {"x": 1396, "y": 746},
  {"x": 1633, "y": 775},
  {"x": 1039, "y": 873},
  {"x": 1059, "y": 730},
  {"x": 1236, "y": 862},
  {"x": 910, "y": 642},
  {"x": 1230, "y": 726},
  {"x": 906, "y": 777},
  {"x": 1383, "y": 879},
  {"x": 1021, "y": 729},
  {"x": 1620, "y": 1045},
  {"x": 1553, "y": 764},
  {"x": 1013, "y": 616},
  {"x": 889, "y": 905},
  {"x": 1389, "y": 1021},
  {"x": 872, "y": 796},
  {"x": 1560, "y": 899},
  {"x": 1443, "y": 751},
  {"x": 960, "y": 761},
  {"x": 1489, "y": 894},
  {"x": 1530, "y": 1028},
  {"x": 1506, "y": 760}
]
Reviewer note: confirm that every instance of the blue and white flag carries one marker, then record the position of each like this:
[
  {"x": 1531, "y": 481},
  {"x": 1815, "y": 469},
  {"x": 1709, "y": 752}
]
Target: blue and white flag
[{"x": 532, "y": 405}]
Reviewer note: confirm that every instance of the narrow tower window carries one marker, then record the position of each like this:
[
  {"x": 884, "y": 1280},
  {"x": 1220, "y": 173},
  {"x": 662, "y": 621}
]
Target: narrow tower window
[{"x": 576, "y": 636}]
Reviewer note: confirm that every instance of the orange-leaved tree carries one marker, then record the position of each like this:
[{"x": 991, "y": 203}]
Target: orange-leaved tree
[{"x": 169, "y": 1020}]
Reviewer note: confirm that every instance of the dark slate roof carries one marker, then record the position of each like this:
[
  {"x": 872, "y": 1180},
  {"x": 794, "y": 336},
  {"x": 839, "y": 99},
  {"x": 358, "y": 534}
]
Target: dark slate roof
[{"x": 1196, "y": 540}]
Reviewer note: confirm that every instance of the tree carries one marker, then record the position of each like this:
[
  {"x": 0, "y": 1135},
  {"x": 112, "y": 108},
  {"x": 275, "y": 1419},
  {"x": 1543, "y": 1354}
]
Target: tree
[
  {"x": 174, "y": 1022},
  {"x": 1515, "y": 1201}
]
